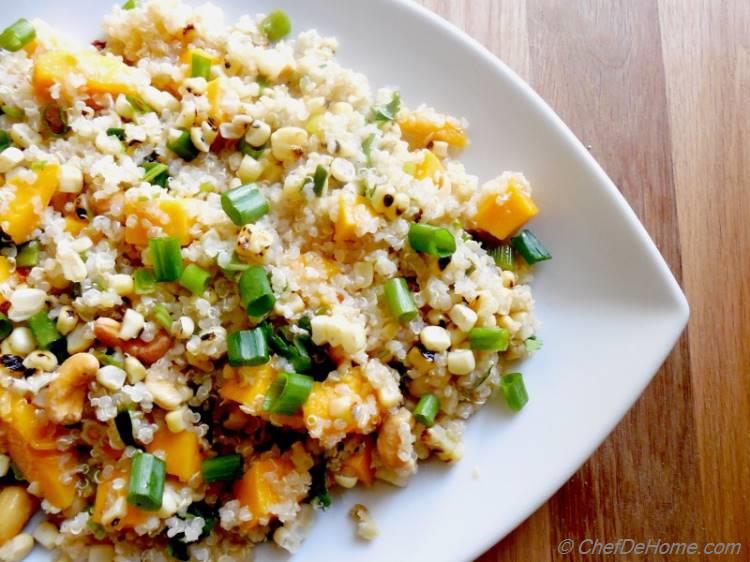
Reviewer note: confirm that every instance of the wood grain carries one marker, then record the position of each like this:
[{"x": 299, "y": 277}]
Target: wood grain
[{"x": 660, "y": 91}]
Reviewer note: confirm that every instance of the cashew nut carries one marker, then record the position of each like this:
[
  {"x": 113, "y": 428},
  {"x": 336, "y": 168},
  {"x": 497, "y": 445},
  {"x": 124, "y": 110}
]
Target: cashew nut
[
  {"x": 107, "y": 332},
  {"x": 67, "y": 392}
]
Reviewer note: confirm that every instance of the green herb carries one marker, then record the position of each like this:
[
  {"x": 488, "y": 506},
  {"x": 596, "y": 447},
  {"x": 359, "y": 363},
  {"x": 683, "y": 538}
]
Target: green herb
[
  {"x": 388, "y": 112},
  {"x": 367, "y": 148},
  {"x": 156, "y": 173},
  {"x": 320, "y": 180}
]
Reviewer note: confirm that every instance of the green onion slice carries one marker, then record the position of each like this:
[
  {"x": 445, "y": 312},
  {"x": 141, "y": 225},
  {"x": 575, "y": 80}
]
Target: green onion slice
[
  {"x": 43, "y": 329},
  {"x": 530, "y": 248},
  {"x": 138, "y": 105},
  {"x": 156, "y": 173},
  {"x": 503, "y": 256},
  {"x": 320, "y": 180},
  {"x": 224, "y": 467},
  {"x": 162, "y": 317},
  {"x": 12, "y": 111},
  {"x": 276, "y": 25},
  {"x": 146, "y": 485},
  {"x": 183, "y": 147},
  {"x": 489, "y": 339},
  {"x": 200, "y": 66},
  {"x": 144, "y": 281},
  {"x": 426, "y": 410},
  {"x": 4, "y": 140},
  {"x": 17, "y": 35},
  {"x": 400, "y": 300},
  {"x": 256, "y": 294},
  {"x": 247, "y": 348},
  {"x": 431, "y": 240},
  {"x": 167, "y": 258},
  {"x": 116, "y": 132},
  {"x": 6, "y": 326},
  {"x": 28, "y": 254},
  {"x": 287, "y": 393},
  {"x": 388, "y": 112},
  {"x": 244, "y": 204},
  {"x": 195, "y": 279},
  {"x": 514, "y": 391}
]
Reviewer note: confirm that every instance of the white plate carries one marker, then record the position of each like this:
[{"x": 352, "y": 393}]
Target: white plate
[{"x": 610, "y": 307}]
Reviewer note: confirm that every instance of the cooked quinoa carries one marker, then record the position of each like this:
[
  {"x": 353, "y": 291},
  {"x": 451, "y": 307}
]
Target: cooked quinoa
[{"x": 234, "y": 278}]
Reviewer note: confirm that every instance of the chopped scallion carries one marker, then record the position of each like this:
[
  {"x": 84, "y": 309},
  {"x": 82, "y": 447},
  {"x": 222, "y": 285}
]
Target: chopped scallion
[
  {"x": 146, "y": 485},
  {"x": 6, "y": 326},
  {"x": 246, "y": 148},
  {"x": 17, "y": 35},
  {"x": 162, "y": 317},
  {"x": 320, "y": 180},
  {"x": 530, "y": 248},
  {"x": 138, "y": 105},
  {"x": 431, "y": 240},
  {"x": 183, "y": 146},
  {"x": 43, "y": 329},
  {"x": 256, "y": 293},
  {"x": 244, "y": 204},
  {"x": 195, "y": 279},
  {"x": 489, "y": 339},
  {"x": 167, "y": 258},
  {"x": 144, "y": 281},
  {"x": 514, "y": 391},
  {"x": 28, "y": 254},
  {"x": 247, "y": 348},
  {"x": 426, "y": 410},
  {"x": 503, "y": 256},
  {"x": 116, "y": 132},
  {"x": 400, "y": 300},
  {"x": 156, "y": 173},
  {"x": 12, "y": 111},
  {"x": 276, "y": 25},
  {"x": 225, "y": 467},
  {"x": 388, "y": 111},
  {"x": 287, "y": 393},
  {"x": 200, "y": 66},
  {"x": 4, "y": 140}
]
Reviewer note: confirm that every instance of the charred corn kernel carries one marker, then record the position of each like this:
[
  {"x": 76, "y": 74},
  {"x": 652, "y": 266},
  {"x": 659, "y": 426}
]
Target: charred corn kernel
[
  {"x": 71, "y": 179},
  {"x": 121, "y": 283},
  {"x": 383, "y": 198},
  {"x": 463, "y": 317},
  {"x": 74, "y": 225},
  {"x": 111, "y": 377},
  {"x": 345, "y": 481},
  {"x": 17, "y": 506},
  {"x": 46, "y": 534},
  {"x": 183, "y": 327},
  {"x": 401, "y": 204},
  {"x": 134, "y": 369},
  {"x": 22, "y": 341},
  {"x": 132, "y": 324},
  {"x": 502, "y": 214},
  {"x": 43, "y": 361},
  {"x": 288, "y": 143},
  {"x": 250, "y": 169},
  {"x": 80, "y": 339},
  {"x": 4, "y": 465},
  {"x": 422, "y": 362},
  {"x": 435, "y": 338},
  {"x": 176, "y": 420},
  {"x": 166, "y": 395},
  {"x": 23, "y": 212},
  {"x": 181, "y": 452},
  {"x": 17, "y": 548},
  {"x": 9, "y": 159},
  {"x": 258, "y": 133},
  {"x": 461, "y": 362}
]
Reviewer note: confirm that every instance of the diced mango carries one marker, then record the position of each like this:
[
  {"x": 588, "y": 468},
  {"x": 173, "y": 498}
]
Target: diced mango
[
  {"x": 4, "y": 269},
  {"x": 74, "y": 225},
  {"x": 52, "y": 470},
  {"x": 103, "y": 74},
  {"x": 419, "y": 131},
  {"x": 428, "y": 167},
  {"x": 502, "y": 215},
  {"x": 22, "y": 214},
  {"x": 30, "y": 422},
  {"x": 347, "y": 216},
  {"x": 169, "y": 214},
  {"x": 359, "y": 464},
  {"x": 258, "y": 490},
  {"x": 107, "y": 495},
  {"x": 214, "y": 94},
  {"x": 333, "y": 400},
  {"x": 181, "y": 452}
]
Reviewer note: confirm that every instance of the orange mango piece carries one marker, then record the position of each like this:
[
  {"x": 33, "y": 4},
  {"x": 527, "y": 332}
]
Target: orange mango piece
[
  {"x": 168, "y": 214},
  {"x": 360, "y": 464},
  {"x": 258, "y": 488},
  {"x": 106, "y": 495},
  {"x": 74, "y": 225},
  {"x": 103, "y": 74},
  {"x": 419, "y": 131},
  {"x": 346, "y": 218},
  {"x": 502, "y": 215},
  {"x": 181, "y": 452},
  {"x": 214, "y": 94},
  {"x": 22, "y": 214},
  {"x": 30, "y": 423}
]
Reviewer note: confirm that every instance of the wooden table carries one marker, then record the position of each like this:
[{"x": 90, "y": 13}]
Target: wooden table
[{"x": 660, "y": 90}]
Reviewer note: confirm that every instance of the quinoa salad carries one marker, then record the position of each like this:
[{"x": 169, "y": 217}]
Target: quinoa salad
[{"x": 233, "y": 279}]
